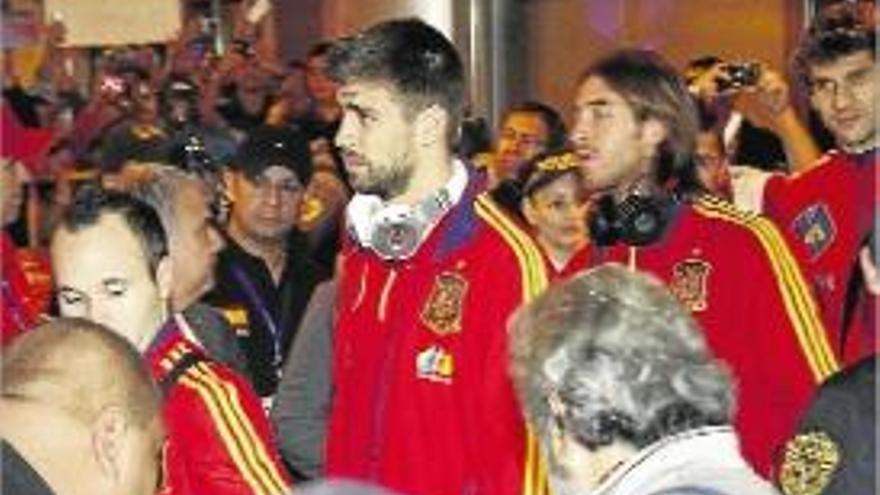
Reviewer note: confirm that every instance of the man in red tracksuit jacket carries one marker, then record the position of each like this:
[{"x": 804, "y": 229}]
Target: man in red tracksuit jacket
[
  {"x": 109, "y": 254},
  {"x": 829, "y": 211},
  {"x": 827, "y": 214},
  {"x": 634, "y": 133},
  {"x": 422, "y": 402}
]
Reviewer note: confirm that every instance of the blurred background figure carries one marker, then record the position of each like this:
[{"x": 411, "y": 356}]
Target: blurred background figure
[
  {"x": 555, "y": 205},
  {"x": 710, "y": 154},
  {"x": 81, "y": 414},
  {"x": 724, "y": 90},
  {"x": 25, "y": 278},
  {"x": 527, "y": 129},
  {"x": 293, "y": 100},
  {"x": 618, "y": 383}
]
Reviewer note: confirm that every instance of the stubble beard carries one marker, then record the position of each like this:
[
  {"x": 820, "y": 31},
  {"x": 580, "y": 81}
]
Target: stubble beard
[{"x": 386, "y": 183}]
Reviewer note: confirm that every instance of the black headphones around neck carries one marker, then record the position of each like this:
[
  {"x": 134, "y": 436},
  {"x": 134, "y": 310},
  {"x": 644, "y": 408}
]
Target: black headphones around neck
[{"x": 635, "y": 221}]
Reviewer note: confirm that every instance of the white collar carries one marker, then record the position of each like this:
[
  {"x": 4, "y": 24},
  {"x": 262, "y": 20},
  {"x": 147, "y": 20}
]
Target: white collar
[{"x": 713, "y": 445}]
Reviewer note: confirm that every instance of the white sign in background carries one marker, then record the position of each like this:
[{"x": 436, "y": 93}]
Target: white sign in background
[{"x": 116, "y": 22}]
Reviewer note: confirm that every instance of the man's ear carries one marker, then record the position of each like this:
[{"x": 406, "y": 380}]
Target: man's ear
[
  {"x": 165, "y": 278},
  {"x": 229, "y": 183},
  {"x": 430, "y": 126},
  {"x": 108, "y": 432},
  {"x": 653, "y": 133}
]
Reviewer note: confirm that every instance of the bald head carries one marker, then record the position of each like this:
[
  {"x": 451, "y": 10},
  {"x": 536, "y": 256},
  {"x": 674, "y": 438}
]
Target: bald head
[
  {"x": 80, "y": 410},
  {"x": 79, "y": 367}
]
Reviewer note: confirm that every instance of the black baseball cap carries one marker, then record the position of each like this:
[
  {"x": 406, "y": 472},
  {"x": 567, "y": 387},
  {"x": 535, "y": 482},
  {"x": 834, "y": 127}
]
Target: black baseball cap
[{"x": 265, "y": 147}]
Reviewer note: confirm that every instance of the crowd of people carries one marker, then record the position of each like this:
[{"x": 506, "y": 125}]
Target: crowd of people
[{"x": 230, "y": 275}]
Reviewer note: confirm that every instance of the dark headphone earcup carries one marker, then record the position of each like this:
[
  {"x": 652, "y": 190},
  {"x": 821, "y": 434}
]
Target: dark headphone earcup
[
  {"x": 603, "y": 222},
  {"x": 643, "y": 221},
  {"x": 637, "y": 221}
]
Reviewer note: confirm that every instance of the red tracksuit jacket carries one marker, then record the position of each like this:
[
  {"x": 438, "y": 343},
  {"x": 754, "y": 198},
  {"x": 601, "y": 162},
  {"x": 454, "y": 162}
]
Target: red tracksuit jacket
[
  {"x": 736, "y": 275},
  {"x": 219, "y": 439},
  {"x": 422, "y": 400},
  {"x": 826, "y": 213}
]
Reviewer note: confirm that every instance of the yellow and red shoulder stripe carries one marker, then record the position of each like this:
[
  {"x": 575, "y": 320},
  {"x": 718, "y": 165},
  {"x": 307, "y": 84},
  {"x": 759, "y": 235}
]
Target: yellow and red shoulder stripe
[
  {"x": 234, "y": 427},
  {"x": 534, "y": 276},
  {"x": 796, "y": 295}
]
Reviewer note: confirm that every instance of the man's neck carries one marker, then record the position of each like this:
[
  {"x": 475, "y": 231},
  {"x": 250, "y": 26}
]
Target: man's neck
[
  {"x": 429, "y": 177},
  {"x": 643, "y": 186},
  {"x": 273, "y": 253}
]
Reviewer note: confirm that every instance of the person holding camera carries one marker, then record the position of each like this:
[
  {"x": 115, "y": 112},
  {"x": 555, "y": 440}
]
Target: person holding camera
[
  {"x": 828, "y": 210},
  {"x": 749, "y": 100},
  {"x": 634, "y": 133}
]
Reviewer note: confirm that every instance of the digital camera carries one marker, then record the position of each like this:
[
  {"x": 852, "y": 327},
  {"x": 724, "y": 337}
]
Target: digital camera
[{"x": 739, "y": 75}]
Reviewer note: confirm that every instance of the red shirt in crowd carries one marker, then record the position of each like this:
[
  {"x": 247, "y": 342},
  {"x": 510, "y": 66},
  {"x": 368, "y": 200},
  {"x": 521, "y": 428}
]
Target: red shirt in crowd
[{"x": 826, "y": 213}]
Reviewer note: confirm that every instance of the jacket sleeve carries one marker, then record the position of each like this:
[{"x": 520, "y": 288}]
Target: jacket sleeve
[
  {"x": 504, "y": 431},
  {"x": 784, "y": 336},
  {"x": 223, "y": 434},
  {"x": 301, "y": 407}
]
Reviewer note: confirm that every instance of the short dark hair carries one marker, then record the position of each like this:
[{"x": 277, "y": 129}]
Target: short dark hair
[
  {"x": 833, "y": 34},
  {"x": 90, "y": 204},
  {"x": 557, "y": 134},
  {"x": 417, "y": 60},
  {"x": 654, "y": 90}
]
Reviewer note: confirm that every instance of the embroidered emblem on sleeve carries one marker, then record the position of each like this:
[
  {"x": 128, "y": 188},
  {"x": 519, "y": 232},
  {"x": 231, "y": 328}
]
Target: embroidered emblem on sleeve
[
  {"x": 810, "y": 461},
  {"x": 815, "y": 228}
]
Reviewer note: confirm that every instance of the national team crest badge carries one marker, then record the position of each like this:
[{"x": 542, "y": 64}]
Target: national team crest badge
[
  {"x": 815, "y": 228},
  {"x": 442, "y": 312},
  {"x": 690, "y": 284}
]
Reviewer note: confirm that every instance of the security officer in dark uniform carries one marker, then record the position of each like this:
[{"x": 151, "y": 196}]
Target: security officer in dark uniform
[{"x": 264, "y": 275}]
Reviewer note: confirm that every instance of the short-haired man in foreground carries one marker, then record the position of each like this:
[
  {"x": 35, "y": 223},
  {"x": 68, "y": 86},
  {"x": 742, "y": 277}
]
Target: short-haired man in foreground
[
  {"x": 110, "y": 257},
  {"x": 81, "y": 414},
  {"x": 620, "y": 385},
  {"x": 428, "y": 275}
]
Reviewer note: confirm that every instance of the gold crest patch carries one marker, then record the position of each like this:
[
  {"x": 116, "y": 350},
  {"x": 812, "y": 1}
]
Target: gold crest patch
[
  {"x": 690, "y": 283},
  {"x": 442, "y": 311},
  {"x": 810, "y": 461}
]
